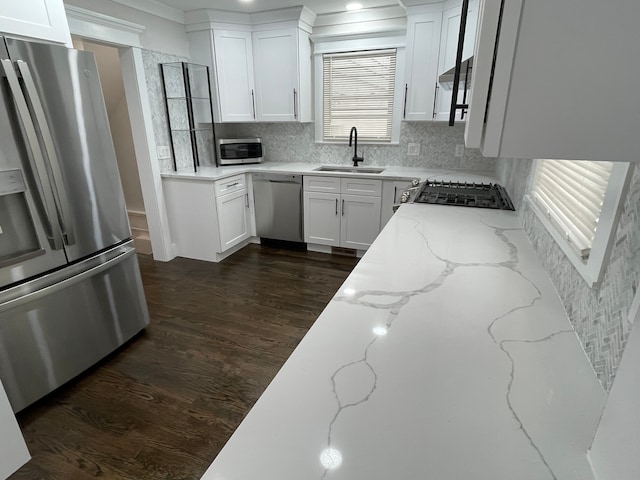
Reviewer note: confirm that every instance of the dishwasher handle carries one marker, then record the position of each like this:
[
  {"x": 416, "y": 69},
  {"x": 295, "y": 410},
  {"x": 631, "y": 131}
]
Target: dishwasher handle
[{"x": 276, "y": 178}]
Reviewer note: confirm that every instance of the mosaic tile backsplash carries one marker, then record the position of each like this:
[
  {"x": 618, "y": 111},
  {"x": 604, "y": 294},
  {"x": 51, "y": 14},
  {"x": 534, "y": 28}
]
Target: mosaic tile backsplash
[
  {"x": 599, "y": 315},
  {"x": 294, "y": 142},
  {"x": 152, "y": 61}
]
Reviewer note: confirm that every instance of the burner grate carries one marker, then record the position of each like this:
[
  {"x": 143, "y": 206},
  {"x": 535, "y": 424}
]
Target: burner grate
[{"x": 479, "y": 195}]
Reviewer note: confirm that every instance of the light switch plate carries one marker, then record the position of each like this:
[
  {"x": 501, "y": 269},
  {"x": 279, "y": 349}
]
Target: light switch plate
[
  {"x": 413, "y": 150},
  {"x": 459, "y": 150},
  {"x": 163, "y": 151}
]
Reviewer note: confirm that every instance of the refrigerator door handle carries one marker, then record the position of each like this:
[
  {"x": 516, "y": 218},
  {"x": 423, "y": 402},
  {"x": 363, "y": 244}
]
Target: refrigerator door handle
[
  {"x": 54, "y": 284},
  {"x": 37, "y": 162},
  {"x": 45, "y": 131}
]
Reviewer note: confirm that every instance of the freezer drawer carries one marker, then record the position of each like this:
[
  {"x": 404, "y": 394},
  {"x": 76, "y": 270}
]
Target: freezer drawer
[{"x": 56, "y": 326}]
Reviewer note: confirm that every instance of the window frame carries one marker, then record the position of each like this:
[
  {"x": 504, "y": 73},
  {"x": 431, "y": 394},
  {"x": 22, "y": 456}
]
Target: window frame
[
  {"x": 591, "y": 270},
  {"x": 358, "y": 45}
]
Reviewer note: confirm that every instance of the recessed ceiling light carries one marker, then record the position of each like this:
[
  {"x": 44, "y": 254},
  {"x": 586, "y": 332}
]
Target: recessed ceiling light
[
  {"x": 353, "y": 6},
  {"x": 246, "y": 1}
]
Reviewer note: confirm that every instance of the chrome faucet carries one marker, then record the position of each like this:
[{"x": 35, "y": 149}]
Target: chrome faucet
[{"x": 356, "y": 159}]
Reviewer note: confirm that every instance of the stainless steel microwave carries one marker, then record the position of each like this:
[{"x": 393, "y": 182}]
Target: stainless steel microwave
[{"x": 235, "y": 151}]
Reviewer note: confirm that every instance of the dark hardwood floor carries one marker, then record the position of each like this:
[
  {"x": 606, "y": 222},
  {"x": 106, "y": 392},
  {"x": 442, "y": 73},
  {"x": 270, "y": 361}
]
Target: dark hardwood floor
[{"x": 163, "y": 405}]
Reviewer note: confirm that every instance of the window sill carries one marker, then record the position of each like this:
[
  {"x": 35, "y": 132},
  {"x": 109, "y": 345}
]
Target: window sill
[
  {"x": 593, "y": 269},
  {"x": 566, "y": 248},
  {"x": 360, "y": 143}
]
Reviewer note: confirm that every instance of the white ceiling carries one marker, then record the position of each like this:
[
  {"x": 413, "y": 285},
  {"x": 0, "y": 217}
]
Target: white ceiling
[{"x": 318, "y": 6}]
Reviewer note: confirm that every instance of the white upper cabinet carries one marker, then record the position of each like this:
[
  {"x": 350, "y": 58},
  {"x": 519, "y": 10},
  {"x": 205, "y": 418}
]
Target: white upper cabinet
[
  {"x": 233, "y": 57},
  {"x": 260, "y": 72},
  {"x": 282, "y": 62},
  {"x": 448, "y": 52},
  {"x": 421, "y": 75},
  {"x": 37, "y": 19},
  {"x": 564, "y": 83}
]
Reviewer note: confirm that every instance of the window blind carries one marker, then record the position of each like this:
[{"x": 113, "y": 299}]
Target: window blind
[
  {"x": 358, "y": 91},
  {"x": 571, "y": 193}
]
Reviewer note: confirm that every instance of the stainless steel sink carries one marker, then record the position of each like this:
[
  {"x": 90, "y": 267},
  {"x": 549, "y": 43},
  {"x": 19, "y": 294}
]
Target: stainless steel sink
[{"x": 329, "y": 168}]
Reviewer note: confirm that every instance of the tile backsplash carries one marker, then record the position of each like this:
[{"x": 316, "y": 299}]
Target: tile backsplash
[
  {"x": 513, "y": 174},
  {"x": 152, "y": 61},
  {"x": 294, "y": 142},
  {"x": 600, "y": 314}
]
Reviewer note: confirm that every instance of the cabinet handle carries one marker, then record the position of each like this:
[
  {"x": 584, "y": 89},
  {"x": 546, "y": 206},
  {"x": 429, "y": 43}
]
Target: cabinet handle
[
  {"x": 246, "y": 199},
  {"x": 404, "y": 109},
  {"x": 336, "y": 206},
  {"x": 231, "y": 185},
  {"x": 395, "y": 194},
  {"x": 295, "y": 104},
  {"x": 343, "y": 207},
  {"x": 253, "y": 104},
  {"x": 435, "y": 99},
  {"x": 456, "y": 76}
]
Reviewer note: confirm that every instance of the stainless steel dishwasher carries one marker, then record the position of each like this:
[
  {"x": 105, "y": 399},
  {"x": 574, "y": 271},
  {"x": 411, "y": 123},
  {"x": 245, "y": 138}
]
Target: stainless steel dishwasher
[{"x": 278, "y": 201}]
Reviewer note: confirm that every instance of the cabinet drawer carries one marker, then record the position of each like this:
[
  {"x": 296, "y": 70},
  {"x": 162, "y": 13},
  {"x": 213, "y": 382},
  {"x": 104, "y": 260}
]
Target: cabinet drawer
[
  {"x": 321, "y": 184},
  {"x": 361, "y": 186},
  {"x": 231, "y": 184}
]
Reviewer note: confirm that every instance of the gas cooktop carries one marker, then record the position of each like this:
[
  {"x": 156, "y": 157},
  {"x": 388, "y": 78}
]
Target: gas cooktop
[{"x": 480, "y": 195}]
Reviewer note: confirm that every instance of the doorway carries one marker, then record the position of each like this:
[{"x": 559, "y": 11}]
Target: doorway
[{"x": 110, "y": 72}]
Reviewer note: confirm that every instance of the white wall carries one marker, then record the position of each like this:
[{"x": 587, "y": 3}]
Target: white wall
[
  {"x": 615, "y": 453},
  {"x": 110, "y": 71},
  {"x": 160, "y": 34}
]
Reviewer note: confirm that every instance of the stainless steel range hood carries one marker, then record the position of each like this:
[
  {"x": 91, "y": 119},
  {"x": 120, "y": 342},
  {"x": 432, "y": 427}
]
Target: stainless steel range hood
[{"x": 446, "y": 79}]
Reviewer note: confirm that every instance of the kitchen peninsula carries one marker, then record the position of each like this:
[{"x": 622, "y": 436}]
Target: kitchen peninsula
[{"x": 446, "y": 354}]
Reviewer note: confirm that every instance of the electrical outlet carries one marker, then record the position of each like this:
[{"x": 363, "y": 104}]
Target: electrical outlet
[
  {"x": 413, "y": 150},
  {"x": 459, "y": 150},
  {"x": 163, "y": 151}
]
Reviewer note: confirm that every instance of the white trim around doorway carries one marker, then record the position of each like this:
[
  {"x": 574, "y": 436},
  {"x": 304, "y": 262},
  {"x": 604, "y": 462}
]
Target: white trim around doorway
[{"x": 125, "y": 36}]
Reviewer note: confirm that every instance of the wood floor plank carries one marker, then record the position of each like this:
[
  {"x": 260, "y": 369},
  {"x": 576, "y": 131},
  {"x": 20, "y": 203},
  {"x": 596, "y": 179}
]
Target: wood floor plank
[{"x": 164, "y": 404}]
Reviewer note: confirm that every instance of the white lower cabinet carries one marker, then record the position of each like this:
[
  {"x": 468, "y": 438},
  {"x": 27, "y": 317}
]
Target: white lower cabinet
[
  {"x": 322, "y": 218},
  {"x": 233, "y": 218},
  {"x": 341, "y": 219},
  {"x": 360, "y": 221},
  {"x": 207, "y": 219},
  {"x": 391, "y": 192}
]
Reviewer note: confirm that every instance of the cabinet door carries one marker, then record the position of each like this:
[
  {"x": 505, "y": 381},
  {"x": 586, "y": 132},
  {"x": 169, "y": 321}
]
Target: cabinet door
[
  {"x": 234, "y": 71},
  {"x": 423, "y": 41},
  {"x": 39, "y": 19},
  {"x": 233, "y": 218},
  {"x": 276, "y": 70},
  {"x": 449, "y": 50},
  {"x": 391, "y": 192},
  {"x": 360, "y": 221},
  {"x": 322, "y": 218},
  {"x": 191, "y": 206}
]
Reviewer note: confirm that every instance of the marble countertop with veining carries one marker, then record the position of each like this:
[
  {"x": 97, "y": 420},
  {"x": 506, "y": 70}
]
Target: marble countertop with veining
[
  {"x": 445, "y": 355},
  {"x": 390, "y": 173}
]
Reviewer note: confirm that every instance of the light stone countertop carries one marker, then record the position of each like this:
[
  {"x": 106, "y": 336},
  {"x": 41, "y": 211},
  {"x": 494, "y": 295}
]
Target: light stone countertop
[
  {"x": 389, "y": 173},
  {"x": 445, "y": 355}
]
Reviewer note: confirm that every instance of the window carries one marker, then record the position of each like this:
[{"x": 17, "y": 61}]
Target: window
[
  {"x": 358, "y": 90},
  {"x": 578, "y": 203}
]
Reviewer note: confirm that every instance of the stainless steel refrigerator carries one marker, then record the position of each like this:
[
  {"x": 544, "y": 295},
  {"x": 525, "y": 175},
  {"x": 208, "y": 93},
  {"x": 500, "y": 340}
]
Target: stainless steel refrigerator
[{"x": 70, "y": 286}]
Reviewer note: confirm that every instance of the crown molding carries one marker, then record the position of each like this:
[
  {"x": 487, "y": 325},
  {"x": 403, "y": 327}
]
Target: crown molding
[
  {"x": 98, "y": 26},
  {"x": 378, "y": 14},
  {"x": 205, "y": 19},
  {"x": 155, "y": 8}
]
